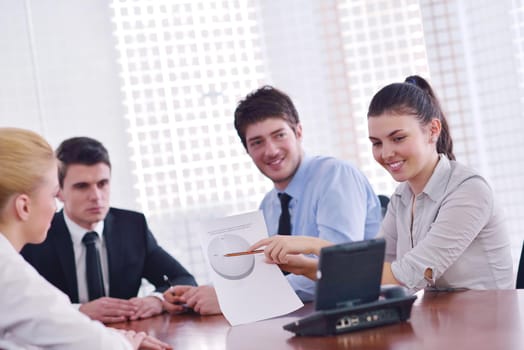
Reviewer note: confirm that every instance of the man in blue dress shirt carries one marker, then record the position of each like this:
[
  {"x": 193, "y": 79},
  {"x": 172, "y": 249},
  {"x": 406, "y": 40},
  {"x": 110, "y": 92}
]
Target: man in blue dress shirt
[{"x": 330, "y": 198}]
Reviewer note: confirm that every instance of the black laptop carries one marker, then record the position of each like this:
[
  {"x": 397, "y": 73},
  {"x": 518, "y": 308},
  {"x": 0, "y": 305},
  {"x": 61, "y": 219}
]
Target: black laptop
[{"x": 348, "y": 292}]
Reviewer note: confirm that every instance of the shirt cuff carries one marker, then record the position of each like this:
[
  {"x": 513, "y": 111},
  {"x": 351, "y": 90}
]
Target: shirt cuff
[
  {"x": 157, "y": 295},
  {"x": 408, "y": 275}
]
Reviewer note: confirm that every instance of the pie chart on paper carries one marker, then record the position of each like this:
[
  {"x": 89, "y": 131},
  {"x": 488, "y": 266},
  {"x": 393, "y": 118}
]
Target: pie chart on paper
[{"x": 234, "y": 267}]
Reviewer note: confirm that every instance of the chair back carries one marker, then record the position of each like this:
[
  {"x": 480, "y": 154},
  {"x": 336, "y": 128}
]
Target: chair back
[{"x": 384, "y": 201}]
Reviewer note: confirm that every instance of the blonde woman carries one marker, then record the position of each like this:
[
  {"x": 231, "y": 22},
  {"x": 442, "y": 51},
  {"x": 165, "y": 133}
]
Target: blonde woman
[{"x": 34, "y": 313}]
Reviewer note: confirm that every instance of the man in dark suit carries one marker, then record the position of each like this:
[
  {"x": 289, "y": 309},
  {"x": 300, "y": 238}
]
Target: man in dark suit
[{"x": 126, "y": 249}]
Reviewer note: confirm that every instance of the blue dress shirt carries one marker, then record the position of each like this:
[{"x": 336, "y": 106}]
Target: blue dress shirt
[{"x": 332, "y": 200}]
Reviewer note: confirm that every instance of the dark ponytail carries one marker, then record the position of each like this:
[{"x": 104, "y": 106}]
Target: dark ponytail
[{"x": 415, "y": 97}]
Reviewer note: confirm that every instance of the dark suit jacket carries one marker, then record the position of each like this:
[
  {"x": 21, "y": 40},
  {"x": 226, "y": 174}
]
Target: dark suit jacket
[{"x": 132, "y": 254}]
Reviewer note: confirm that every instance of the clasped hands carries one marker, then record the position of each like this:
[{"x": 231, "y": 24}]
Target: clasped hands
[
  {"x": 111, "y": 310},
  {"x": 201, "y": 299}
]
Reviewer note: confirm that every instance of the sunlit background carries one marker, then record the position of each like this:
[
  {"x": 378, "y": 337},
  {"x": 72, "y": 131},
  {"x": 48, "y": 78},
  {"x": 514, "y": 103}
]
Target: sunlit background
[{"x": 157, "y": 82}]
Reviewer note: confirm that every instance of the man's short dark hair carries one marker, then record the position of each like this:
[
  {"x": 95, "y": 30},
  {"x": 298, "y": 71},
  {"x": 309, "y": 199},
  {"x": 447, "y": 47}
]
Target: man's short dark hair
[
  {"x": 266, "y": 102},
  {"x": 80, "y": 150}
]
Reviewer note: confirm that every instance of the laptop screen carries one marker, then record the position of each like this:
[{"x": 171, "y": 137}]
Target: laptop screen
[{"x": 349, "y": 274}]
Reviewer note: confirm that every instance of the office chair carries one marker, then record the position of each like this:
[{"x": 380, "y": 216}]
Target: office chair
[
  {"x": 520, "y": 272},
  {"x": 384, "y": 201}
]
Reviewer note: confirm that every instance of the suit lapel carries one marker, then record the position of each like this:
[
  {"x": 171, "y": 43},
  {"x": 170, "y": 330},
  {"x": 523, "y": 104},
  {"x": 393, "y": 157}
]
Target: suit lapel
[
  {"x": 113, "y": 251},
  {"x": 66, "y": 256}
]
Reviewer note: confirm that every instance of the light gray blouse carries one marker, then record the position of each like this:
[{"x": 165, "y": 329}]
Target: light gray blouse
[{"x": 457, "y": 232}]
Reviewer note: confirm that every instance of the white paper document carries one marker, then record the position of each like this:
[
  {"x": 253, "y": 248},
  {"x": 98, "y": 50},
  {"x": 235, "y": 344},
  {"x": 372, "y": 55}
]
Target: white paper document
[{"x": 248, "y": 288}]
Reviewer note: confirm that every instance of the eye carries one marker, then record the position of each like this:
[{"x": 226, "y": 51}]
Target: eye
[
  {"x": 81, "y": 186},
  {"x": 255, "y": 143},
  {"x": 103, "y": 183},
  {"x": 399, "y": 138}
]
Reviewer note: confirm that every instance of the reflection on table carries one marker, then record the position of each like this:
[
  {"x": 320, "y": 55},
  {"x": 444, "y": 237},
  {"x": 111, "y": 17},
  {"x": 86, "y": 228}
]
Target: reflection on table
[{"x": 439, "y": 320}]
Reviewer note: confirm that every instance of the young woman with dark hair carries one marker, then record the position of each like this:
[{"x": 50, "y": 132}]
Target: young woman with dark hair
[{"x": 442, "y": 227}]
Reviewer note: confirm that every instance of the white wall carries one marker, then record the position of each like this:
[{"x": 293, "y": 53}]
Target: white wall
[{"x": 59, "y": 77}]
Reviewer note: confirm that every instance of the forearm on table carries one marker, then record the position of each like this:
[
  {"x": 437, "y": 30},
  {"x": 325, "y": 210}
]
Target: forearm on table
[{"x": 387, "y": 275}]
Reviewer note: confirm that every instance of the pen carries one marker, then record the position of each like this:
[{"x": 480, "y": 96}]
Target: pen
[
  {"x": 245, "y": 253},
  {"x": 168, "y": 281}
]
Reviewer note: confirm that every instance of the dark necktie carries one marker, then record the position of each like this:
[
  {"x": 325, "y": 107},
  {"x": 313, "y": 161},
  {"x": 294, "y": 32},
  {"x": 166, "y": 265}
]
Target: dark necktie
[
  {"x": 95, "y": 283},
  {"x": 284, "y": 223}
]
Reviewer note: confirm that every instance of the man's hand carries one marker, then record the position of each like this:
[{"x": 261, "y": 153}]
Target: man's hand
[
  {"x": 173, "y": 299},
  {"x": 202, "y": 299},
  {"x": 109, "y": 310},
  {"x": 146, "y": 307}
]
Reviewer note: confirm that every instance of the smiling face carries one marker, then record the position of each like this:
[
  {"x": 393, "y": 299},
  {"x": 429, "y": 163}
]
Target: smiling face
[
  {"x": 275, "y": 148},
  {"x": 404, "y": 147},
  {"x": 85, "y": 193}
]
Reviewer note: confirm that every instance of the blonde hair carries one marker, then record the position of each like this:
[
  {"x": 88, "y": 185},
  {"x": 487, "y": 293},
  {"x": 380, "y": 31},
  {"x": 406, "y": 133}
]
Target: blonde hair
[{"x": 24, "y": 159}]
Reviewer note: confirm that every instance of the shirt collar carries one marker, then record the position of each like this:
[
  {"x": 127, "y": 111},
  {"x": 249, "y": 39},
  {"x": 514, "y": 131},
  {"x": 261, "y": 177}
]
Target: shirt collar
[
  {"x": 435, "y": 187},
  {"x": 295, "y": 188},
  {"x": 78, "y": 232},
  {"x": 5, "y": 242}
]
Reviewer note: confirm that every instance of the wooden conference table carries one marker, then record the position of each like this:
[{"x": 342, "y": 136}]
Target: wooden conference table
[{"x": 439, "y": 320}]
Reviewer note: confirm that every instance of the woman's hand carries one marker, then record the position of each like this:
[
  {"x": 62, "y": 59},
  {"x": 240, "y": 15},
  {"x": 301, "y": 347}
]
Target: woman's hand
[
  {"x": 301, "y": 265},
  {"x": 142, "y": 341},
  {"x": 286, "y": 251},
  {"x": 278, "y": 248}
]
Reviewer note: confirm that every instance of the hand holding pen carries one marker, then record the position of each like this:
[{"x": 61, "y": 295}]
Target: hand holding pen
[{"x": 174, "y": 301}]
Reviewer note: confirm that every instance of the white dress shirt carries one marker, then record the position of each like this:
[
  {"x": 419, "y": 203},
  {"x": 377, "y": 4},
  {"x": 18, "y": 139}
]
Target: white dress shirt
[
  {"x": 77, "y": 233},
  {"x": 36, "y": 315}
]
